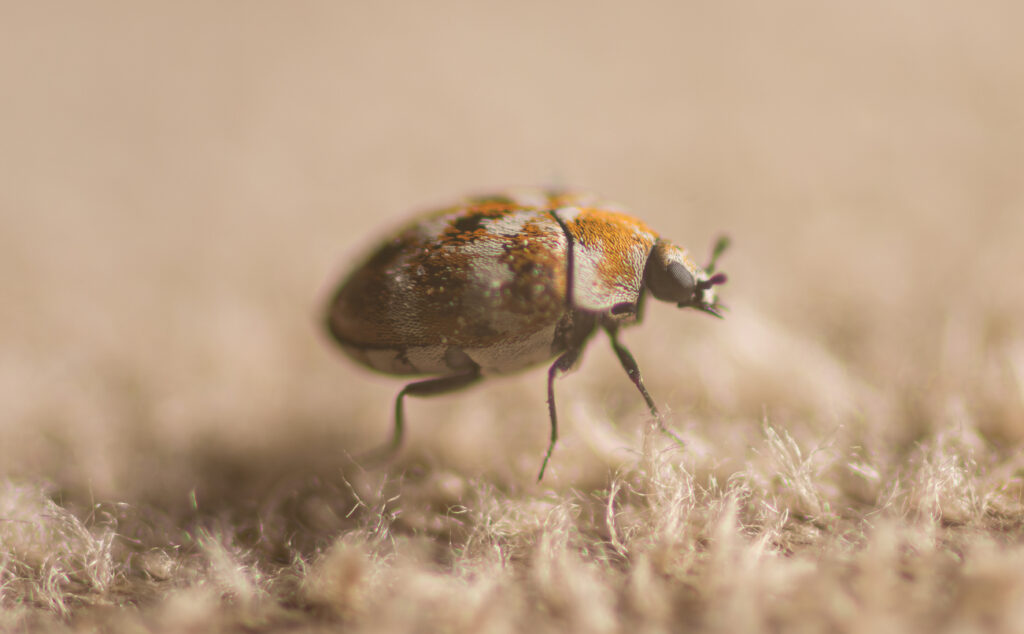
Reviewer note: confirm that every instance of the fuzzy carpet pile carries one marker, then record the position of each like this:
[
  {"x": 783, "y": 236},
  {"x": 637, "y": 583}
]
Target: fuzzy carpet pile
[{"x": 181, "y": 186}]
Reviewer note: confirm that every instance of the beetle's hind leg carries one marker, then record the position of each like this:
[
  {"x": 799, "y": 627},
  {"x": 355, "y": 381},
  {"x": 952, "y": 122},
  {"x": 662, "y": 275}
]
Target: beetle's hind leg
[
  {"x": 633, "y": 371},
  {"x": 427, "y": 387}
]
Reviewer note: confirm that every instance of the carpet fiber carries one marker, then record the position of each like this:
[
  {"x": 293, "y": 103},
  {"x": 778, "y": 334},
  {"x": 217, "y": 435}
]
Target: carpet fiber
[{"x": 182, "y": 185}]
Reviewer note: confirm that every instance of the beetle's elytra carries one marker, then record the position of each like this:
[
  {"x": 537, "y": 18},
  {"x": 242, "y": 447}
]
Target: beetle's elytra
[{"x": 500, "y": 283}]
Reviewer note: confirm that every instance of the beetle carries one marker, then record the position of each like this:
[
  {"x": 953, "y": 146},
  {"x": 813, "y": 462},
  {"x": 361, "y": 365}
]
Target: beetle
[{"x": 499, "y": 283}]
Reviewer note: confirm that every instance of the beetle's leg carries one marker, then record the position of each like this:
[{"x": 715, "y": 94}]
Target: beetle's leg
[
  {"x": 428, "y": 387},
  {"x": 633, "y": 371},
  {"x": 561, "y": 364},
  {"x": 640, "y": 302}
]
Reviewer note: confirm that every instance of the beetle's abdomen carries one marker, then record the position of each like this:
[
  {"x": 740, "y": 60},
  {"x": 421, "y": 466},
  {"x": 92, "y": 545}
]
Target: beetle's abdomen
[{"x": 485, "y": 283}]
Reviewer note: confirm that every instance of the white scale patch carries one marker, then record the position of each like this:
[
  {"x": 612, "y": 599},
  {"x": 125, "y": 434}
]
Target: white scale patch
[
  {"x": 428, "y": 359},
  {"x": 515, "y": 354},
  {"x": 510, "y": 356},
  {"x": 567, "y": 214},
  {"x": 510, "y": 224}
]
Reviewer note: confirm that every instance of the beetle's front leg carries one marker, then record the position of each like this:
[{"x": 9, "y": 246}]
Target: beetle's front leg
[{"x": 633, "y": 371}]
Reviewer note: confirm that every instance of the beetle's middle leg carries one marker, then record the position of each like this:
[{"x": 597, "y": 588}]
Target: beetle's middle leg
[
  {"x": 633, "y": 371},
  {"x": 562, "y": 364},
  {"x": 427, "y": 387},
  {"x": 572, "y": 335}
]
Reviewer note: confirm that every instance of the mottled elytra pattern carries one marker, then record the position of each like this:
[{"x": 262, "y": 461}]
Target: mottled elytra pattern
[
  {"x": 487, "y": 275},
  {"x": 500, "y": 283}
]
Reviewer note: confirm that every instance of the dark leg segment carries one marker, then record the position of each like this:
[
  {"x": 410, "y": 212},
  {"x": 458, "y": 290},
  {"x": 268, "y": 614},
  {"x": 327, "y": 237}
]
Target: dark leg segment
[
  {"x": 427, "y": 387},
  {"x": 561, "y": 364},
  {"x": 633, "y": 371}
]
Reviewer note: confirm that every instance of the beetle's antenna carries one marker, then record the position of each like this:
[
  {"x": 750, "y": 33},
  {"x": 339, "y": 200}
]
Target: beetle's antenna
[
  {"x": 714, "y": 280},
  {"x": 721, "y": 245},
  {"x": 703, "y": 285}
]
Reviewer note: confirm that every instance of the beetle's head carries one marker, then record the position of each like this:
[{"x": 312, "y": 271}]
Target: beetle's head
[{"x": 672, "y": 276}]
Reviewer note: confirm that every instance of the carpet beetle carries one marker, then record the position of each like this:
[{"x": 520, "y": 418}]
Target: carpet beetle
[{"x": 500, "y": 283}]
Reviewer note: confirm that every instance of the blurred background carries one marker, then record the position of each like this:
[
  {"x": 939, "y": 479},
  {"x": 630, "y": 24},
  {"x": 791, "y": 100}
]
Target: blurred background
[{"x": 182, "y": 184}]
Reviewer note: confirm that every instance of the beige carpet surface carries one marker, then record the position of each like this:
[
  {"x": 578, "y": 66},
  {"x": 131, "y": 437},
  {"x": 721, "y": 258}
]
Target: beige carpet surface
[{"x": 181, "y": 186}]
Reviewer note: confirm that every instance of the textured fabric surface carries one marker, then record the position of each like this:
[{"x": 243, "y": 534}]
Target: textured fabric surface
[{"x": 182, "y": 185}]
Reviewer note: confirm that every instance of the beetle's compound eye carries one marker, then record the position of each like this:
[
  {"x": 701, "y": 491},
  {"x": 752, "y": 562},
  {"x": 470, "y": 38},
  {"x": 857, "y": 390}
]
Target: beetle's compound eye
[{"x": 668, "y": 277}]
